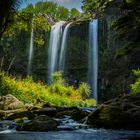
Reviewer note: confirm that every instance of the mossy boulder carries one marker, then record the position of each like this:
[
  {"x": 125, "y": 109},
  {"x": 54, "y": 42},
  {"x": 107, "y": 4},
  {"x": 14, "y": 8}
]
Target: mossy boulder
[
  {"x": 21, "y": 120},
  {"x": 122, "y": 112},
  {"x": 48, "y": 111},
  {"x": 107, "y": 116},
  {"x": 75, "y": 113},
  {"x": 78, "y": 115},
  {"x": 40, "y": 123},
  {"x": 29, "y": 114},
  {"x": 2, "y": 114},
  {"x": 9, "y": 102}
]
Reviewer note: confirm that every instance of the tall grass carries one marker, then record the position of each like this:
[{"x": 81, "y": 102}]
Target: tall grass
[{"x": 28, "y": 91}]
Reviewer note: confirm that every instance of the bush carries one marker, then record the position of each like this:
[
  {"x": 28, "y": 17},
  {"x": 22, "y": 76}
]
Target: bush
[
  {"x": 84, "y": 90},
  {"x": 57, "y": 78},
  {"x": 135, "y": 88},
  {"x": 59, "y": 86}
]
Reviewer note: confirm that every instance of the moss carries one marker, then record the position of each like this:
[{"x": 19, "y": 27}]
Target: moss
[{"x": 20, "y": 120}]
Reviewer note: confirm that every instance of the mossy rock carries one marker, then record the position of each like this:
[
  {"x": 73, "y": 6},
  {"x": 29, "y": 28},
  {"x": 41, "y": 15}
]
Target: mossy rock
[
  {"x": 9, "y": 102},
  {"x": 21, "y": 120},
  {"x": 2, "y": 114},
  {"x": 75, "y": 113},
  {"x": 121, "y": 112},
  {"x": 40, "y": 123},
  {"x": 109, "y": 117},
  {"x": 48, "y": 111},
  {"x": 29, "y": 114},
  {"x": 78, "y": 115}
]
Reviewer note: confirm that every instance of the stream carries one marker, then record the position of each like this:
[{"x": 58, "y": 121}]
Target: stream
[{"x": 67, "y": 130}]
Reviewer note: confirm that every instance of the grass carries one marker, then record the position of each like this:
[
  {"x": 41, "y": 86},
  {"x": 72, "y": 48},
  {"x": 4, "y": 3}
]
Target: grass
[{"x": 28, "y": 91}]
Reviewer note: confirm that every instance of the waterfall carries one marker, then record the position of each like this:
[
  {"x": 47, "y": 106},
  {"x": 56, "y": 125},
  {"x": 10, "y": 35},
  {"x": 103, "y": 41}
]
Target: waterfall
[
  {"x": 93, "y": 57},
  {"x": 55, "y": 40},
  {"x": 63, "y": 48},
  {"x": 31, "y": 50}
]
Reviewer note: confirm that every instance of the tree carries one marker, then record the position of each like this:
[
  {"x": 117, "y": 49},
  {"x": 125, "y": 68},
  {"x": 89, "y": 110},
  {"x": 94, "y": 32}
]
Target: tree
[
  {"x": 8, "y": 8},
  {"x": 75, "y": 13},
  {"x": 62, "y": 13},
  {"x": 52, "y": 9}
]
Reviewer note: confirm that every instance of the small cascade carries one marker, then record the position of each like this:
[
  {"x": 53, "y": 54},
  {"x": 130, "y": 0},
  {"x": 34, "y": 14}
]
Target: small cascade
[
  {"x": 93, "y": 57},
  {"x": 30, "y": 58},
  {"x": 55, "y": 41},
  {"x": 63, "y": 48}
]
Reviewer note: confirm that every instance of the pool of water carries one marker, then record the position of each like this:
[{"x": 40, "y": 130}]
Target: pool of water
[{"x": 81, "y": 134}]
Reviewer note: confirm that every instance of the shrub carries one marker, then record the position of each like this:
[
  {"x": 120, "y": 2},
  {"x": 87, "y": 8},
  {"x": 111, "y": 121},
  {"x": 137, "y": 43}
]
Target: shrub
[
  {"x": 84, "y": 90},
  {"x": 57, "y": 78},
  {"x": 59, "y": 86},
  {"x": 135, "y": 88},
  {"x": 28, "y": 91}
]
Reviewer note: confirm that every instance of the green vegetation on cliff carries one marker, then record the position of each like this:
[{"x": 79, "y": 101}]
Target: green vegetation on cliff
[
  {"x": 125, "y": 15},
  {"x": 136, "y": 86}
]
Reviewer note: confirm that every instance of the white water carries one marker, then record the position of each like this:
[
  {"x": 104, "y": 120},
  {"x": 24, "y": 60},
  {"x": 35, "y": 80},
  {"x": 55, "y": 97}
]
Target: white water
[
  {"x": 55, "y": 40},
  {"x": 63, "y": 48},
  {"x": 93, "y": 57},
  {"x": 30, "y": 58}
]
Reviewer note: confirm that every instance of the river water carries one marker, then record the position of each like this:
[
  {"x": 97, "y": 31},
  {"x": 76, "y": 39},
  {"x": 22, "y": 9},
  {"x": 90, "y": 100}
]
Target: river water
[
  {"x": 76, "y": 132},
  {"x": 81, "y": 134}
]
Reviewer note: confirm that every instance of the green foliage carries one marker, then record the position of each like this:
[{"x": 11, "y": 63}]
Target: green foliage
[
  {"x": 62, "y": 13},
  {"x": 24, "y": 22},
  {"x": 75, "y": 13},
  {"x": 57, "y": 78},
  {"x": 95, "y": 7},
  {"x": 28, "y": 91},
  {"x": 122, "y": 51},
  {"x": 136, "y": 86},
  {"x": 59, "y": 86},
  {"x": 47, "y": 7},
  {"x": 52, "y": 9},
  {"x": 84, "y": 91},
  {"x": 8, "y": 8}
]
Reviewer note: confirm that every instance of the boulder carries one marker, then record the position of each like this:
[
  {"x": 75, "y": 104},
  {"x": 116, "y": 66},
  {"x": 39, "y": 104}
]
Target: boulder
[
  {"x": 48, "y": 111},
  {"x": 9, "y": 102},
  {"x": 118, "y": 113},
  {"x": 29, "y": 114},
  {"x": 7, "y": 113},
  {"x": 75, "y": 113},
  {"x": 2, "y": 114},
  {"x": 40, "y": 123},
  {"x": 31, "y": 107},
  {"x": 78, "y": 115}
]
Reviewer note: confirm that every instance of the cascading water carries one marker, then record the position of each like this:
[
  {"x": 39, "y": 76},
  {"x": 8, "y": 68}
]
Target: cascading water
[
  {"x": 55, "y": 39},
  {"x": 31, "y": 50},
  {"x": 93, "y": 57},
  {"x": 63, "y": 48}
]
